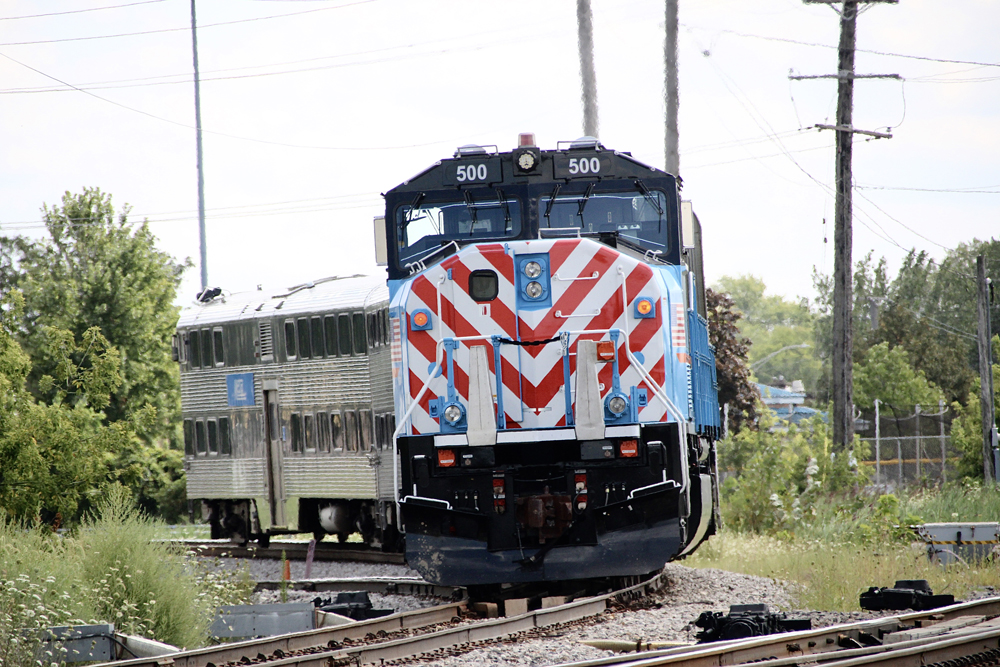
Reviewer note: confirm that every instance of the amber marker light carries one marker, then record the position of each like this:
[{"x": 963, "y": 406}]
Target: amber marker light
[
  {"x": 446, "y": 458},
  {"x": 420, "y": 319},
  {"x": 605, "y": 350},
  {"x": 645, "y": 306}
]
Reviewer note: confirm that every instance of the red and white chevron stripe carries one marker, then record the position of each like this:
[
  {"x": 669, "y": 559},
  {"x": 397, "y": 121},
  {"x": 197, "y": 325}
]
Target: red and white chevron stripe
[{"x": 586, "y": 287}]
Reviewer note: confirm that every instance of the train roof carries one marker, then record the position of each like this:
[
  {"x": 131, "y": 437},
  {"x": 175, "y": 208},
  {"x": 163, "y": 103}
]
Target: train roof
[{"x": 326, "y": 294}]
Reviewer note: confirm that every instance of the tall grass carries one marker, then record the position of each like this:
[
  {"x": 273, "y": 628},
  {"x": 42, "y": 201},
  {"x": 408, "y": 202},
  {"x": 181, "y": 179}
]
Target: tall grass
[
  {"x": 831, "y": 575},
  {"x": 109, "y": 571}
]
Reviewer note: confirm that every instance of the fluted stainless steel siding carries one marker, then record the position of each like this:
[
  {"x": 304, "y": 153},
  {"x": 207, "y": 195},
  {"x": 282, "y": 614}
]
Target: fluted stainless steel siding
[
  {"x": 342, "y": 475},
  {"x": 226, "y": 478}
]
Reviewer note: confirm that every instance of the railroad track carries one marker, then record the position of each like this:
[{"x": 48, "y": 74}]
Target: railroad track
[
  {"x": 397, "y": 637},
  {"x": 383, "y": 585},
  {"x": 293, "y": 550},
  {"x": 962, "y": 634}
]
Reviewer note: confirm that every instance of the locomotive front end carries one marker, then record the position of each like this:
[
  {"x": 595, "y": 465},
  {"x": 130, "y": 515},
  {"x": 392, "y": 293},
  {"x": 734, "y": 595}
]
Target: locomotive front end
[{"x": 542, "y": 369}]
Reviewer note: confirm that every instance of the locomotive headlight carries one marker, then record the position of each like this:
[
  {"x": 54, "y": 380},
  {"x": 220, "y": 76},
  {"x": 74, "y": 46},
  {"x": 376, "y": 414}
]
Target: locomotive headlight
[
  {"x": 533, "y": 289},
  {"x": 453, "y": 414},
  {"x": 617, "y": 405},
  {"x": 532, "y": 269}
]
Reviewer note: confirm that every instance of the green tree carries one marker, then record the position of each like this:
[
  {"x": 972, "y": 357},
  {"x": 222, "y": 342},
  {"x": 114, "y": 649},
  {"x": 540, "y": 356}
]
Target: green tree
[
  {"x": 886, "y": 374},
  {"x": 773, "y": 323},
  {"x": 98, "y": 270},
  {"x": 966, "y": 429},
  {"x": 732, "y": 372},
  {"x": 55, "y": 456}
]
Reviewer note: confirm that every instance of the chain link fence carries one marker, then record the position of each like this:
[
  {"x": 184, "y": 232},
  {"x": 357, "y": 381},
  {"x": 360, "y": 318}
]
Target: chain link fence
[{"x": 909, "y": 444}]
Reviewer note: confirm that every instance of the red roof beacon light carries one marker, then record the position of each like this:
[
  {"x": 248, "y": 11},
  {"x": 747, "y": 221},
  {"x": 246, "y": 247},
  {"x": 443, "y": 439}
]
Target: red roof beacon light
[{"x": 525, "y": 139}]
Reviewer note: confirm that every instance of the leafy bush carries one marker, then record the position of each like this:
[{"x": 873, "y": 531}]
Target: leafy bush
[
  {"x": 776, "y": 477},
  {"x": 109, "y": 571}
]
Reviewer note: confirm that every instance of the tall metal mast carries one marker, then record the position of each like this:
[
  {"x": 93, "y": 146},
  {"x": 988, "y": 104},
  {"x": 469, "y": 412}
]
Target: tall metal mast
[{"x": 201, "y": 173}]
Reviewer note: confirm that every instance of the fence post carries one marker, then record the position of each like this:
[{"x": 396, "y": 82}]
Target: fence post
[
  {"x": 878, "y": 446},
  {"x": 944, "y": 474},
  {"x": 916, "y": 413}
]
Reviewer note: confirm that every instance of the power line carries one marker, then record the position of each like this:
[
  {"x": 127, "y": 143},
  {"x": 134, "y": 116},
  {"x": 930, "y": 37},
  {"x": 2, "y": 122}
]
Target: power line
[
  {"x": 77, "y": 11},
  {"x": 165, "y": 30},
  {"x": 220, "y": 134},
  {"x": 830, "y": 46},
  {"x": 951, "y": 190}
]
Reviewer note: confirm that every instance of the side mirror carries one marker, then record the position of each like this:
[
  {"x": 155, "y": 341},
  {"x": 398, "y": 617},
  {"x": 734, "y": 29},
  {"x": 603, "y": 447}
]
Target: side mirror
[{"x": 381, "y": 252}]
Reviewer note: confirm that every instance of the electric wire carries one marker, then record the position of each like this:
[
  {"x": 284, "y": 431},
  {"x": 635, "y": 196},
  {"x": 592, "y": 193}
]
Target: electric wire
[
  {"x": 214, "y": 132},
  {"x": 78, "y": 11},
  {"x": 185, "y": 28},
  {"x": 800, "y": 42}
]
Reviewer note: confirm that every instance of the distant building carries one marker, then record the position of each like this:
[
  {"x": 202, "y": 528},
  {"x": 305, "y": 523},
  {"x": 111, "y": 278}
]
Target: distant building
[{"x": 787, "y": 403}]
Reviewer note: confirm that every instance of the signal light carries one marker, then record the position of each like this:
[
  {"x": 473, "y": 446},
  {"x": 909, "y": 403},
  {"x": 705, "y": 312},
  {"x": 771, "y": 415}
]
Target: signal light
[
  {"x": 605, "y": 350},
  {"x": 580, "y": 480},
  {"x": 629, "y": 448},
  {"x": 446, "y": 458},
  {"x": 581, "y": 502}
]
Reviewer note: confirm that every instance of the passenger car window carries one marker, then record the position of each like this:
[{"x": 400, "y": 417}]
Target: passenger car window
[
  {"x": 344, "y": 327},
  {"x": 304, "y": 351},
  {"x": 290, "y": 348},
  {"x": 359, "y": 334},
  {"x": 330, "y": 327}
]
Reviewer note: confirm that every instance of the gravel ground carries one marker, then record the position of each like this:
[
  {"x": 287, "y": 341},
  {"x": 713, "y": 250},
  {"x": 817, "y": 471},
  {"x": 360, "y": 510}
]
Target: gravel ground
[{"x": 670, "y": 618}]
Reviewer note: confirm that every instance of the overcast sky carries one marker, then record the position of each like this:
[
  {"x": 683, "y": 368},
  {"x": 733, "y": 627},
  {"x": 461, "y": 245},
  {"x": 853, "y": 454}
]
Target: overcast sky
[{"x": 312, "y": 108}]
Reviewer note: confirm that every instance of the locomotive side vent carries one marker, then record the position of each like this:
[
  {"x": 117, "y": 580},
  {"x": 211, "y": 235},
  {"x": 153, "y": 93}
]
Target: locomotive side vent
[{"x": 266, "y": 343}]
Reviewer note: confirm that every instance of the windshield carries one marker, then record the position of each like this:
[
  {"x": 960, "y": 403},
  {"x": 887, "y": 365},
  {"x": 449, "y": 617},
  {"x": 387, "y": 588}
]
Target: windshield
[
  {"x": 426, "y": 226},
  {"x": 639, "y": 216}
]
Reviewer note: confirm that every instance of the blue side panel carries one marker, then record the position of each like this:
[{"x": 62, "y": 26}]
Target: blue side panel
[{"x": 704, "y": 385}]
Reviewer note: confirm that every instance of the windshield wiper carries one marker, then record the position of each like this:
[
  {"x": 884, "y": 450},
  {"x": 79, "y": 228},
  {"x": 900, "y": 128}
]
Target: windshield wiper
[
  {"x": 583, "y": 202},
  {"x": 552, "y": 200},
  {"x": 471, "y": 205},
  {"x": 506, "y": 208},
  {"x": 414, "y": 207},
  {"x": 655, "y": 201}
]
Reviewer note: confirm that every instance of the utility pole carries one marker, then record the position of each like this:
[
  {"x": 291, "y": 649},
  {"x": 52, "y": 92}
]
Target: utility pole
[
  {"x": 585, "y": 36},
  {"x": 985, "y": 371},
  {"x": 843, "y": 343},
  {"x": 201, "y": 174},
  {"x": 670, "y": 139}
]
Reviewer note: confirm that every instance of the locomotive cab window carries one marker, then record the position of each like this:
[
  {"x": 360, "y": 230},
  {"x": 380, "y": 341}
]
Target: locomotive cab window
[
  {"x": 639, "y": 216},
  {"x": 481, "y": 214}
]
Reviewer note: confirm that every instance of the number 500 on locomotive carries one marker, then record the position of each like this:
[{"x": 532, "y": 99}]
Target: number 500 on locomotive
[{"x": 554, "y": 385}]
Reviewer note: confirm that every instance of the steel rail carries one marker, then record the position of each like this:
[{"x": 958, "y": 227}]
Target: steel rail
[
  {"x": 382, "y": 585},
  {"x": 349, "y": 552},
  {"x": 395, "y": 648},
  {"x": 798, "y": 647},
  {"x": 297, "y": 641}
]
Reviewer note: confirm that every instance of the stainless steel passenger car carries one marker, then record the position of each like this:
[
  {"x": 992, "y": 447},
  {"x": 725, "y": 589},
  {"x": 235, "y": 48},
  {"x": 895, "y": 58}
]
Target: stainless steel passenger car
[{"x": 288, "y": 410}]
